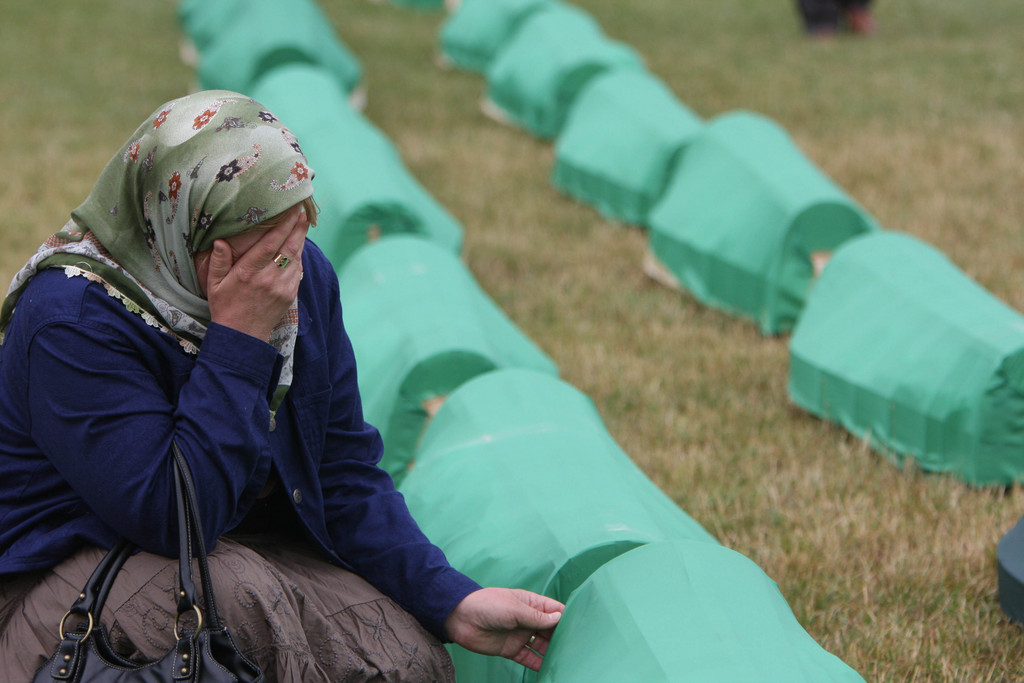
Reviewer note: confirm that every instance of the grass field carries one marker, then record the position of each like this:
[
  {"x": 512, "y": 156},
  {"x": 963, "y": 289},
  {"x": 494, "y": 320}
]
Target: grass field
[{"x": 892, "y": 570}]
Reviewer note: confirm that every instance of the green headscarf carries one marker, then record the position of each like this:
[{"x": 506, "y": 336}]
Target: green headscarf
[{"x": 201, "y": 167}]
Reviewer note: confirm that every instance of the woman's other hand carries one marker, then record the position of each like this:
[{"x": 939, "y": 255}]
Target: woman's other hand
[
  {"x": 509, "y": 622},
  {"x": 247, "y": 288}
]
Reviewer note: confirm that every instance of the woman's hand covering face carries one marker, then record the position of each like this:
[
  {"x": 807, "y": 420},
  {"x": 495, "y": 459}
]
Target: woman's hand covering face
[{"x": 247, "y": 290}]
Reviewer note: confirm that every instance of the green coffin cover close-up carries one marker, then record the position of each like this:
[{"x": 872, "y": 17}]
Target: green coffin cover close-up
[
  {"x": 621, "y": 140},
  {"x": 519, "y": 482},
  {"x": 261, "y": 35},
  {"x": 362, "y": 185},
  {"x": 202, "y": 21},
  {"x": 745, "y": 217},
  {"x": 899, "y": 346},
  {"x": 307, "y": 100},
  {"x": 523, "y": 401},
  {"x": 421, "y": 326},
  {"x": 683, "y": 611},
  {"x": 536, "y": 76},
  {"x": 474, "y": 33}
]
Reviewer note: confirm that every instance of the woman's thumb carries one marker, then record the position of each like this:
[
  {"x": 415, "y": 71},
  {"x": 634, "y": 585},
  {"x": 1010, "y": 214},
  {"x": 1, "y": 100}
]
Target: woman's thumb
[
  {"x": 548, "y": 620},
  {"x": 538, "y": 619}
]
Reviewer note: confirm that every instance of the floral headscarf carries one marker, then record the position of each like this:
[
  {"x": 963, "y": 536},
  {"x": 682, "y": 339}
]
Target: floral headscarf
[{"x": 200, "y": 168}]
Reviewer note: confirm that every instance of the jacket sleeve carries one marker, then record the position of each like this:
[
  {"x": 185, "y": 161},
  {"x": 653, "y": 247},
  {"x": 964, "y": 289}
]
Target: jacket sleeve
[
  {"x": 367, "y": 518},
  {"x": 107, "y": 395}
]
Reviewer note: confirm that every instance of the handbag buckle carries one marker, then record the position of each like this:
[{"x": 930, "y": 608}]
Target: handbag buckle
[
  {"x": 199, "y": 623},
  {"x": 64, "y": 634}
]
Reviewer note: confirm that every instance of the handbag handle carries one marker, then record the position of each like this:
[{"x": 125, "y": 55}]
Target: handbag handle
[
  {"x": 190, "y": 542},
  {"x": 91, "y": 600}
]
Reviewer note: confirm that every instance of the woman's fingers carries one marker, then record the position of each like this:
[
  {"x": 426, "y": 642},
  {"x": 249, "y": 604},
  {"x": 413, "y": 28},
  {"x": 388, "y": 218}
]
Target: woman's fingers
[
  {"x": 219, "y": 264},
  {"x": 285, "y": 239},
  {"x": 296, "y": 238}
]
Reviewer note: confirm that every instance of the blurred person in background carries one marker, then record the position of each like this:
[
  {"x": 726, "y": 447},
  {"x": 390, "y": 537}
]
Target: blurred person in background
[{"x": 826, "y": 18}]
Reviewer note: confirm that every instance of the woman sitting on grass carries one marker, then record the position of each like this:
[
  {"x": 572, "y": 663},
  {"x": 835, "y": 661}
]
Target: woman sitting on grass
[{"x": 182, "y": 303}]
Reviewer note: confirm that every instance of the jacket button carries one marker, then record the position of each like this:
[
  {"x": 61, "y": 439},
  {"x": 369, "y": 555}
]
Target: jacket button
[{"x": 297, "y": 496}]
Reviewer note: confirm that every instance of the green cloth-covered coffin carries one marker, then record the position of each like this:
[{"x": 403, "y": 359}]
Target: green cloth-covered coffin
[
  {"x": 362, "y": 185},
  {"x": 478, "y": 29},
  {"x": 898, "y": 345},
  {"x": 622, "y": 139},
  {"x": 684, "y": 611},
  {"x": 520, "y": 484},
  {"x": 745, "y": 217},
  {"x": 258, "y": 36},
  {"x": 421, "y": 326},
  {"x": 534, "y": 79}
]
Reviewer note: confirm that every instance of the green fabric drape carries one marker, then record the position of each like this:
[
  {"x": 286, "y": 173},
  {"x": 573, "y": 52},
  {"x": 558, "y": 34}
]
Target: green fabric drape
[
  {"x": 744, "y": 218},
  {"x": 545, "y": 495},
  {"x": 478, "y": 30},
  {"x": 622, "y": 139},
  {"x": 421, "y": 327},
  {"x": 241, "y": 40},
  {"x": 899, "y": 346},
  {"x": 684, "y": 611},
  {"x": 537, "y": 75}
]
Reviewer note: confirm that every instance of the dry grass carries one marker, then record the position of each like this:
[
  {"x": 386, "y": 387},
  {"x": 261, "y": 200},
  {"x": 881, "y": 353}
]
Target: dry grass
[
  {"x": 892, "y": 570},
  {"x": 77, "y": 81}
]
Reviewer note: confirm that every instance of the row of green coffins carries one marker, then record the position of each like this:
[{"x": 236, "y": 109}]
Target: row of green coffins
[
  {"x": 740, "y": 218},
  {"x": 895, "y": 344},
  {"x": 286, "y": 56},
  {"x": 650, "y": 595},
  {"x": 517, "y": 455},
  {"x": 736, "y": 211}
]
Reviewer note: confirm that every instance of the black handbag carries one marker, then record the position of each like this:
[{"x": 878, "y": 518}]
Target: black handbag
[{"x": 205, "y": 654}]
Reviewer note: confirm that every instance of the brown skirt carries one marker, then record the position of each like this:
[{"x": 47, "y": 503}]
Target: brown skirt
[{"x": 298, "y": 617}]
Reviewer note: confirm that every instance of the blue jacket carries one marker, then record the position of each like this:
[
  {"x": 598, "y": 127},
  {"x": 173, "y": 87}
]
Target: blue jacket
[{"x": 91, "y": 398}]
